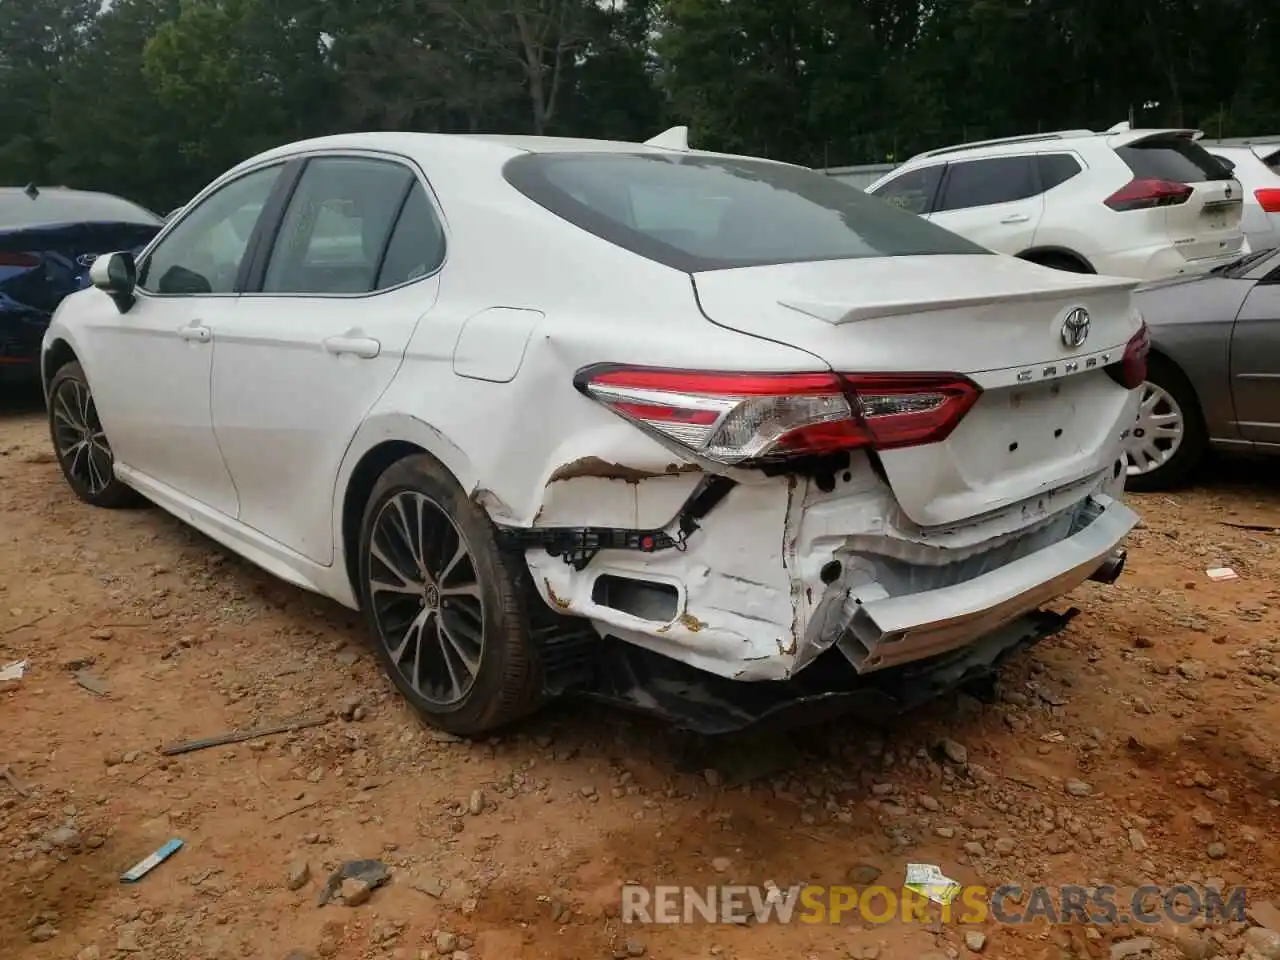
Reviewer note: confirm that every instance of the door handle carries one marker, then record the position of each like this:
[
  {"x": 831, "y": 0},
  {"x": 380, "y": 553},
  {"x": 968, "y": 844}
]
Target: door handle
[
  {"x": 1016, "y": 218},
  {"x": 196, "y": 333},
  {"x": 366, "y": 348}
]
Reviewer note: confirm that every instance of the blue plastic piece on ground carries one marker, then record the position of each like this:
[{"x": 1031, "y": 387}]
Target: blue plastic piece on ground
[{"x": 147, "y": 864}]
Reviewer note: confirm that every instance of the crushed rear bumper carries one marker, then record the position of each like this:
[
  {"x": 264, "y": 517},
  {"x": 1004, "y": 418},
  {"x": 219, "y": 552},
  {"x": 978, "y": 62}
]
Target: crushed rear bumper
[
  {"x": 893, "y": 630},
  {"x": 633, "y": 678}
]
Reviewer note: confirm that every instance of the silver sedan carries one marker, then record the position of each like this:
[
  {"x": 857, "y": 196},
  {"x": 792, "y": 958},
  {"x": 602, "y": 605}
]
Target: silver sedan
[{"x": 1214, "y": 373}]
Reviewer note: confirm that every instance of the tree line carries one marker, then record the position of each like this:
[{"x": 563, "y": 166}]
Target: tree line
[{"x": 153, "y": 98}]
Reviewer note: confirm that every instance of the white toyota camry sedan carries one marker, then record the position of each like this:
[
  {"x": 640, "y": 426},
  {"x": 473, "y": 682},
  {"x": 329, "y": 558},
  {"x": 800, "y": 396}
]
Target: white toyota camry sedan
[{"x": 708, "y": 435}]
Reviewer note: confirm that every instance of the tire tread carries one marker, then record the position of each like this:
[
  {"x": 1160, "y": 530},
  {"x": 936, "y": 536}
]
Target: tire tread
[{"x": 510, "y": 683}]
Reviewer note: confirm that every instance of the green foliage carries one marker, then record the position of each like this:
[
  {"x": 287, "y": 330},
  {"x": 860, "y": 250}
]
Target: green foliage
[{"x": 152, "y": 98}]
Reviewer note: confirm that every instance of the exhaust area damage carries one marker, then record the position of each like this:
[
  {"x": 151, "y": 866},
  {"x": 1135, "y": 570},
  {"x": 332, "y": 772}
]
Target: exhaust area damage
[{"x": 790, "y": 588}]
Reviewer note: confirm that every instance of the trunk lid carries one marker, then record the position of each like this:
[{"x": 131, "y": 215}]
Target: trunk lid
[
  {"x": 1049, "y": 415},
  {"x": 1208, "y": 223},
  {"x": 65, "y": 251}
]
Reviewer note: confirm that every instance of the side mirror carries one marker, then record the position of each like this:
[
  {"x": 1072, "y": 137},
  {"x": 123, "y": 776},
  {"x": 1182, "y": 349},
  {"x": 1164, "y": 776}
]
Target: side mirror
[{"x": 116, "y": 275}]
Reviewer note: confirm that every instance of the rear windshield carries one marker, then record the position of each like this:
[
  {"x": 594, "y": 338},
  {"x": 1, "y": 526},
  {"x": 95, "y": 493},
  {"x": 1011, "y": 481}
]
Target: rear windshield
[
  {"x": 697, "y": 213},
  {"x": 54, "y": 207},
  {"x": 1272, "y": 160},
  {"x": 1172, "y": 158}
]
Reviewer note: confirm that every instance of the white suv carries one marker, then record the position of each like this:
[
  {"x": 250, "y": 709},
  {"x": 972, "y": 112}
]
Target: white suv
[
  {"x": 1257, "y": 166},
  {"x": 1132, "y": 203}
]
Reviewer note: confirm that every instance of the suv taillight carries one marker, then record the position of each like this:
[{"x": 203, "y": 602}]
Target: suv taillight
[
  {"x": 19, "y": 260},
  {"x": 1146, "y": 194},
  {"x": 1268, "y": 198},
  {"x": 1131, "y": 370},
  {"x": 732, "y": 418}
]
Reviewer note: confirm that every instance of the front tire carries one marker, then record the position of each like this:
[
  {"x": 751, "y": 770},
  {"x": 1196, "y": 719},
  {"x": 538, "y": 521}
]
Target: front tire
[
  {"x": 444, "y": 603},
  {"x": 1169, "y": 439},
  {"x": 80, "y": 443}
]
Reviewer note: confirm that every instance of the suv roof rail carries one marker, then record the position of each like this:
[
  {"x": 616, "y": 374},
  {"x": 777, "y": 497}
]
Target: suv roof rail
[{"x": 1000, "y": 141}]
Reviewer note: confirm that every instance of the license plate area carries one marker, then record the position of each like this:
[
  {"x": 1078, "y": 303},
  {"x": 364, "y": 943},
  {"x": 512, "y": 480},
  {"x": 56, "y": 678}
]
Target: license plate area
[
  {"x": 1220, "y": 215},
  {"x": 1023, "y": 426}
]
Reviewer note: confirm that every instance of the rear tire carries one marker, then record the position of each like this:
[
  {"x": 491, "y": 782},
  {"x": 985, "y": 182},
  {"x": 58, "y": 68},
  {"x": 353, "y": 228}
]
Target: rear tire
[
  {"x": 445, "y": 605},
  {"x": 80, "y": 443},
  {"x": 1158, "y": 458}
]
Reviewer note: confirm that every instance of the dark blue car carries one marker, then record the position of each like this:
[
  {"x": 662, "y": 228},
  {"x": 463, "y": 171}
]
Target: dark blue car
[{"x": 48, "y": 238}]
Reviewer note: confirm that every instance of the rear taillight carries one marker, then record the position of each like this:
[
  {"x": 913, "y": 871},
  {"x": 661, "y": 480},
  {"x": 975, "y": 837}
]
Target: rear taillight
[
  {"x": 1147, "y": 194},
  {"x": 1268, "y": 199},
  {"x": 1131, "y": 371},
  {"x": 19, "y": 260},
  {"x": 735, "y": 417}
]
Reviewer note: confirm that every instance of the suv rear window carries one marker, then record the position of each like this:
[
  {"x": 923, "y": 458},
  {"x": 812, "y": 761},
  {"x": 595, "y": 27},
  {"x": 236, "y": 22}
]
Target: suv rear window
[
  {"x": 1172, "y": 158},
  {"x": 697, "y": 213}
]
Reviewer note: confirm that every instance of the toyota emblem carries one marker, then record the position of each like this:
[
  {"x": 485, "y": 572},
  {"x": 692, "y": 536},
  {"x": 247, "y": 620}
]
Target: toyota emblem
[
  {"x": 86, "y": 259},
  {"x": 1075, "y": 328}
]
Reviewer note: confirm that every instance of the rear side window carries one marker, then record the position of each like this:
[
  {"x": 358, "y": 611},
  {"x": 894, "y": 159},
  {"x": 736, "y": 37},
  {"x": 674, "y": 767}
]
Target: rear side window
[
  {"x": 981, "y": 183},
  {"x": 914, "y": 190},
  {"x": 1056, "y": 168},
  {"x": 695, "y": 212},
  {"x": 417, "y": 242},
  {"x": 1176, "y": 159},
  {"x": 337, "y": 226}
]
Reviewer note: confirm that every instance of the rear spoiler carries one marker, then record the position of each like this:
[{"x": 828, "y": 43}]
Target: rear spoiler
[
  {"x": 840, "y": 313},
  {"x": 1268, "y": 153},
  {"x": 1125, "y": 134}
]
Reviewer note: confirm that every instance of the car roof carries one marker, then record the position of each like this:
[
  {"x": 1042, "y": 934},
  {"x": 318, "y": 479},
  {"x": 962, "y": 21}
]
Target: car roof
[
  {"x": 1053, "y": 141},
  {"x": 24, "y": 207},
  {"x": 466, "y": 148},
  {"x": 1267, "y": 152}
]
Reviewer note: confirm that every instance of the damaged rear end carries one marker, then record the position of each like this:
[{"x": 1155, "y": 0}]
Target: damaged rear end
[
  {"x": 998, "y": 474},
  {"x": 886, "y": 518}
]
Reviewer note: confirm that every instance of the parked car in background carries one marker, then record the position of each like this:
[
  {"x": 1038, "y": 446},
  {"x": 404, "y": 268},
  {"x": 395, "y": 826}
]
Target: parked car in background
[
  {"x": 1146, "y": 204},
  {"x": 49, "y": 237},
  {"x": 560, "y": 415},
  {"x": 1213, "y": 377},
  {"x": 1257, "y": 166}
]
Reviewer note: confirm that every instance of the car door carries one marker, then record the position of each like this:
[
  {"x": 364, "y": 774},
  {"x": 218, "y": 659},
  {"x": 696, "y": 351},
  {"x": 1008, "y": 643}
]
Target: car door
[
  {"x": 150, "y": 366},
  {"x": 1255, "y": 358},
  {"x": 995, "y": 202},
  {"x": 331, "y": 304}
]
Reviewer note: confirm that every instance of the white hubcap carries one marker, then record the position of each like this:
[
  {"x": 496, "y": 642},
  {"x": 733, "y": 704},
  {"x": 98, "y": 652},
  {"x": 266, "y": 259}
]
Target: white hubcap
[{"x": 1157, "y": 431}]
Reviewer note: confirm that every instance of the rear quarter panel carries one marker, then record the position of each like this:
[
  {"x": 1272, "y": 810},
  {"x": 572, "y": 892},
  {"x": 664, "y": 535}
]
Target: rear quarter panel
[{"x": 1191, "y": 322}]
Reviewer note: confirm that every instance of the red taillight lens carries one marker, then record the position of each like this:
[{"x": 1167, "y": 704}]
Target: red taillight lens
[
  {"x": 1268, "y": 199},
  {"x": 1147, "y": 194},
  {"x": 1133, "y": 365},
  {"x": 737, "y": 417},
  {"x": 19, "y": 260}
]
